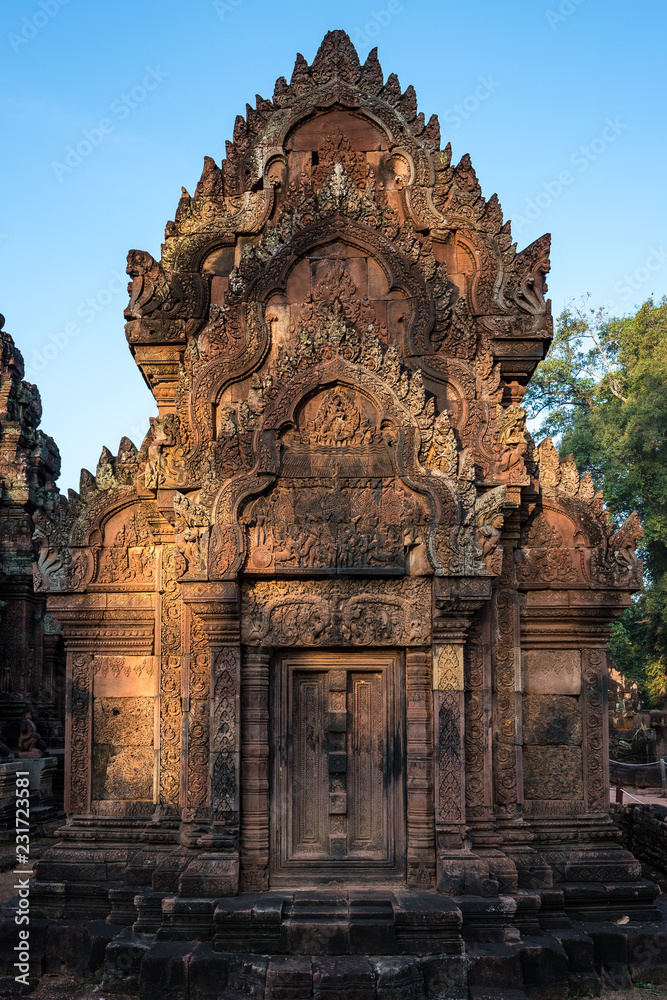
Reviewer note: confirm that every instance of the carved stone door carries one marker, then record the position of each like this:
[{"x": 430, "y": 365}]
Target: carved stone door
[{"x": 338, "y": 805}]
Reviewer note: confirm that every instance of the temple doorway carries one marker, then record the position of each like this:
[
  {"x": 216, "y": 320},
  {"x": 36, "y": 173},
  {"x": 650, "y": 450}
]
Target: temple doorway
[{"x": 338, "y": 811}]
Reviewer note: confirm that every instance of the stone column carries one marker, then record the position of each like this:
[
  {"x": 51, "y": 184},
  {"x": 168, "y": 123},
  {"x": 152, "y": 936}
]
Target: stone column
[
  {"x": 255, "y": 779},
  {"x": 79, "y": 733},
  {"x": 419, "y": 756},
  {"x": 456, "y": 603},
  {"x": 508, "y": 780},
  {"x": 211, "y": 758}
]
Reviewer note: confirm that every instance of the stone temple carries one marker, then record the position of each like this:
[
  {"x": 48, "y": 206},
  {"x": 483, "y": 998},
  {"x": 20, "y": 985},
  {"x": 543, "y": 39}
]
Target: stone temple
[{"x": 336, "y": 633}]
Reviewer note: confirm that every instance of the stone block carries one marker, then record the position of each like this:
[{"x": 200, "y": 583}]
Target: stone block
[
  {"x": 210, "y": 875},
  {"x": 350, "y": 977},
  {"x": 491, "y": 965},
  {"x": 551, "y": 720},
  {"x": 64, "y": 940},
  {"x": 398, "y": 979},
  {"x": 208, "y": 971},
  {"x": 445, "y": 977},
  {"x": 122, "y": 961},
  {"x": 545, "y": 968},
  {"x": 164, "y": 972},
  {"x": 289, "y": 978},
  {"x": 247, "y": 977},
  {"x": 551, "y": 772},
  {"x": 552, "y": 671}
]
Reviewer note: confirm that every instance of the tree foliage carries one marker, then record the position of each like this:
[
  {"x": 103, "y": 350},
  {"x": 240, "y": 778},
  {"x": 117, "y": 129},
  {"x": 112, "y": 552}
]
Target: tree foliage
[{"x": 602, "y": 391}]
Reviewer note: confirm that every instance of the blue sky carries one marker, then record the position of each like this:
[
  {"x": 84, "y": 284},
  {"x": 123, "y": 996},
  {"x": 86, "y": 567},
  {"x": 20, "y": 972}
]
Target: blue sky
[{"x": 559, "y": 102}]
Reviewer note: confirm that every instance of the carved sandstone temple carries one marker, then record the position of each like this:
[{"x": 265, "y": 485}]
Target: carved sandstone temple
[{"x": 339, "y": 625}]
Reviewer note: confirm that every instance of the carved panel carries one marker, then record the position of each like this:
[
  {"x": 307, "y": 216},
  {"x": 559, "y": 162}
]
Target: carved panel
[
  {"x": 226, "y": 736},
  {"x": 171, "y": 651},
  {"x": 123, "y": 748},
  {"x": 80, "y": 733},
  {"x": 448, "y": 668},
  {"x": 478, "y": 708},
  {"x": 197, "y": 724},
  {"x": 596, "y": 750},
  {"x": 506, "y": 760},
  {"x": 449, "y": 784},
  {"x": 321, "y": 613},
  {"x": 363, "y": 526},
  {"x": 553, "y": 772}
]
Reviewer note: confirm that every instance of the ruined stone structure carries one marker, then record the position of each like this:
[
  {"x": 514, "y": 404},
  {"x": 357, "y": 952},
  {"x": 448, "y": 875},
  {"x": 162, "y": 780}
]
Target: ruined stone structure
[
  {"x": 32, "y": 667},
  {"x": 336, "y": 633}
]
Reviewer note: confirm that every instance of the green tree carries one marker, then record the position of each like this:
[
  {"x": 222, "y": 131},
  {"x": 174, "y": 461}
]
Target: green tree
[{"x": 602, "y": 392}]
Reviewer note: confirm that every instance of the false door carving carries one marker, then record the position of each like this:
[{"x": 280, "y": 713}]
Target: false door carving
[{"x": 338, "y": 811}]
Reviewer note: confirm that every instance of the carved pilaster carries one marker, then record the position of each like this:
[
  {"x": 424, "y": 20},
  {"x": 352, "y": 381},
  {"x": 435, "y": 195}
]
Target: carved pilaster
[
  {"x": 507, "y": 704},
  {"x": 255, "y": 771},
  {"x": 214, "y": 712},
  {"x": 419, "y": 765},
  {"x": 225, "y": 738},
  {"x": 478, "y": 733},
  {"x": 79, "y": 732},
  {"x": 196, "y": 728},
  {"x": 449, "y": 753},
  {"x": 169, "y": 615},
  {"x": 596, "y": 737}
]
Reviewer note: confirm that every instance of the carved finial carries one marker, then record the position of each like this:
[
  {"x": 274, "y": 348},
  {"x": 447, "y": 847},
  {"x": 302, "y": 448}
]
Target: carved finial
[
  {"x": 126, "y": 449},
  {"x": 210, "y": 183},
  {"x": 280, "y": 90},
  {"x": 549, "y": 464},
  {"x": 104, "y": 477},
  {"x": 336, "y": 58},
  {"x": 372, "y": 77},
  {"x": 408, "y": 104},
  {"x": 300, "y": 73},
  {"x": 569, "y": 475},
  {"x": 87, "y": 483},
  {"x": 431, "y": 134},
  {"x": 391, "y": 92},
  {"x": 2, "y": 322}
]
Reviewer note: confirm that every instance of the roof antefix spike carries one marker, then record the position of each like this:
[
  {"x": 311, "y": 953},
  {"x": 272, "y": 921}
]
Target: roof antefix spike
[
  {"x": 300, "y": 71},
  {"x": 127, "y": 446},
  {"x": 87, "y": 482},
  {"x": 280, "y": 88},
  {"x": 431, "y": 134},
  {"x": 336, "y": 58},
  {"x": 240, "y": 128},
  {"x": 372, "y": 77},
  {"x": 391, "y": 92},
  {"x": 408, "y": 103}
]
